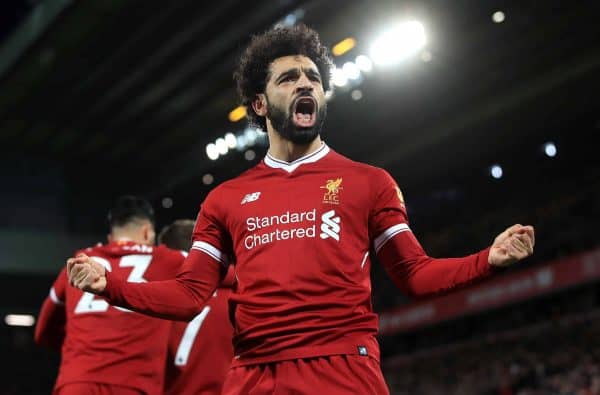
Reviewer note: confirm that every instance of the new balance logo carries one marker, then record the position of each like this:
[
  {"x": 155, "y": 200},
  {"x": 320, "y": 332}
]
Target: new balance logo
[
  {"x": 251, "y": 197},
  {"x": 330, "y": 226}
]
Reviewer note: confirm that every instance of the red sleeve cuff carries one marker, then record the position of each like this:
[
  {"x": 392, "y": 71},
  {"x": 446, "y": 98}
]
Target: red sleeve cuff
[
  {"x": 483, "y": 263},
  {"x": 113, "y": 289}
]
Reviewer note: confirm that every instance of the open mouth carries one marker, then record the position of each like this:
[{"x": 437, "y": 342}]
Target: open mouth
[{"x": 305, "y": 112}]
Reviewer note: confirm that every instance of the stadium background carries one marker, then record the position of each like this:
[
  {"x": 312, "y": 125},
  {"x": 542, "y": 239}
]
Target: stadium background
[{"x": 102, "y": 98}]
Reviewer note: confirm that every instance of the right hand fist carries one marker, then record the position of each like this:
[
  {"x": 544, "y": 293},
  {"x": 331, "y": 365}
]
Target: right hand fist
[
  {"x": 512, "y": 245},
  {"x": 86, "y": 274}
]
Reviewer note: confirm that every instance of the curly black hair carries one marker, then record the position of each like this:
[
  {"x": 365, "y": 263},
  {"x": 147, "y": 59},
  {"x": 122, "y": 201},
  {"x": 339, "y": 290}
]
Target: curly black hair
[{"x": 253, "y": 68}]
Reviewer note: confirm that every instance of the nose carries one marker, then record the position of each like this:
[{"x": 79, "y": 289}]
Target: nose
[{"x": 304, "y": 84}]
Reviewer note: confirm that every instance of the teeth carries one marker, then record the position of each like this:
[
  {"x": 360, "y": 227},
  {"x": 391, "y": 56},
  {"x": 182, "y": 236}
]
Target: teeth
[{"x": 304, "y": 117}]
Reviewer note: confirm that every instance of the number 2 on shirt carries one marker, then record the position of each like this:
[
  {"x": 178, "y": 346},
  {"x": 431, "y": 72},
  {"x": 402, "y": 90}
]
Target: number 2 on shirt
[{"x": 139, "y": 263}]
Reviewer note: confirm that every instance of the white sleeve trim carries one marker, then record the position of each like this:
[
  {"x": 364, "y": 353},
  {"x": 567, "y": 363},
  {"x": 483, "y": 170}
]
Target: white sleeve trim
[
  {"x": 388, "y": 234},
  {"x": 54, "y": 297},
  {"x": 211, "y": 251}
]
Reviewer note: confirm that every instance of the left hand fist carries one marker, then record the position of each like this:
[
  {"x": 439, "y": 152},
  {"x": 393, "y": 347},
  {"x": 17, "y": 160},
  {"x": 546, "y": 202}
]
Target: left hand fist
[
  {"x": 512, "y": 245},
  {"x": 86, "y": 274}
]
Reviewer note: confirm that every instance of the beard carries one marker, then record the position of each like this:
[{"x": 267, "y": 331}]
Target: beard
[{"x": 283, "y": 123}]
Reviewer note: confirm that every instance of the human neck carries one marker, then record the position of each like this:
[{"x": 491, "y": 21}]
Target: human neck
[
  {"x": 288, "y": 151},
  {"x": 127, "y": 237}
]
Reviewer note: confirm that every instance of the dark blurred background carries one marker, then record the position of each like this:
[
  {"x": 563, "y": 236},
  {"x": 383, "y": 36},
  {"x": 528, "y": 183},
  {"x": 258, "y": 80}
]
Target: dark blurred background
[{"x": 485, "y": 114}]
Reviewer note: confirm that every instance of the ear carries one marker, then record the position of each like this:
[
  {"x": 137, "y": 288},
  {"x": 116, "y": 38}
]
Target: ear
[
  {"x": 146, "y": 232},
  {"x": 259, "y": 105},
  {"x": 150, "y": 235}
]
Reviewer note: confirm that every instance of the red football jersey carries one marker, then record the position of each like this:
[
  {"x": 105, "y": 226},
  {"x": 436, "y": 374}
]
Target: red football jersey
[
  {"x": 200, "y": 352},
  {"x": 300, "y": 235},
  {"x": 107, "y": 344}
]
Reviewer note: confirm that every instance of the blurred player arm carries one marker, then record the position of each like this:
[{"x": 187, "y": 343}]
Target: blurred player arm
[
  {"x": 50, "y": 327},
  {"x": 181, "y": 298}
]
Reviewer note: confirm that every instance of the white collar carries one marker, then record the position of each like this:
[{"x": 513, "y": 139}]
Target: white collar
[{"x": 291, "y": 166}]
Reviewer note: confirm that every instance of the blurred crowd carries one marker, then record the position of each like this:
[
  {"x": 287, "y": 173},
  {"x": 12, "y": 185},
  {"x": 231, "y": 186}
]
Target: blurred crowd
[{"x": 556, "y": 356}]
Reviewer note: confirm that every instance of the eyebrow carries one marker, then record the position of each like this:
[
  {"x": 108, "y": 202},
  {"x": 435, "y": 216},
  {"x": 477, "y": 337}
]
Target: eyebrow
[
  {"x": 312, "y": 72},
  {"x": 296, "y": 71}
]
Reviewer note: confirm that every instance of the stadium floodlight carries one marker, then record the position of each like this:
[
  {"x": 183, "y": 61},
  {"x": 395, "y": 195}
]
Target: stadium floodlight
[
  {"x": 167, "y": 202},
  {"x": 356, "y": 94},
  {"x": 250, "y": 154},
  {"x": 351, "y": 71},
  {"x": 343, "y": 46},
  {"x": 398, "y": 43},
  {"x": 364, "y": 63},
  {"x": 292, "y": 18},
  {"x": 237, "y": 114},
  {"x": 550, "y": 149},
  {"x": 498, "y": 17},
  {"x": 426, "y": 56},
  {"x": 230, "y": 140},
  {"x": 221, "y": 146},
  {"x": 496, "y": 171},
  {"x": 208, "y": 179},
  {"x": 242, "y": 142},
  {"x": 19, "y": 320},
  {"x": 212, "y": 152},
  {"x": 251, "y": 135},
  {"x": 339, "y": 78}
]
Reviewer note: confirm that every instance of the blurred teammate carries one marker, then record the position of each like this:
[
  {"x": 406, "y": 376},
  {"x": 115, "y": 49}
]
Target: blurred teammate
[
  {"x": 108, "y": 350},
  {"x": 299, "y": 227},
  {"x": 200, "y": 351}
]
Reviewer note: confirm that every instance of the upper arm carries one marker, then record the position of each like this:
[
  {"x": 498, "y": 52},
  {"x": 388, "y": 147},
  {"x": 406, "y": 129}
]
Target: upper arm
[
  {"x": 58, "y": 292},
  {"x": 387, "y": 216},
  {"x": 210, "y": 231},
  {"x": 50, "y": 327}
]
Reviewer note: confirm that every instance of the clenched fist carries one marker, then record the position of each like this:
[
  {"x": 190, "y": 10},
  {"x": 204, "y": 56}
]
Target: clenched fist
[
  {"x": 86, "y": 274},
  {"x": 512, "y": 245}
]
